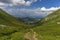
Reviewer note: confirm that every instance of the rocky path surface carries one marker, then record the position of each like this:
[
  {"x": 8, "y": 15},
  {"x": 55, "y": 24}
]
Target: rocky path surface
[{"x": 31, "y": 36}]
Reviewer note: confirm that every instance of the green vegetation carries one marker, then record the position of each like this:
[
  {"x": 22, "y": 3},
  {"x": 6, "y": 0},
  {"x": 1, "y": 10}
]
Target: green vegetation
[
  {"x": 12, "y": 28},
  {"x": 50, "y": 28},
  {"x": 10, "y": 25}
]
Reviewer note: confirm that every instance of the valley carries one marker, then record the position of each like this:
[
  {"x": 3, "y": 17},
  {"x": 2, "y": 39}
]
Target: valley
[{"x": 47, "y": 28}]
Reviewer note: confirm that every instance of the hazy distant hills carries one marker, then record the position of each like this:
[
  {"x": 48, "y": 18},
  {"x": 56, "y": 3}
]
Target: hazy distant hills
[
  {"x": 32, "y": 14},
  {"x": 7, "y": 19}
]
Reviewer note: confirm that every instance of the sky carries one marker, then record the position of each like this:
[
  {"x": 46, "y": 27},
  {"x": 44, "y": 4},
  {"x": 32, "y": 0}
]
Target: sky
[{"x": 24, "y": 7}]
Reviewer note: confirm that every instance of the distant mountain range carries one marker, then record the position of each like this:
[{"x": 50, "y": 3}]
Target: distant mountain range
[{"x": 30, "y": 14}]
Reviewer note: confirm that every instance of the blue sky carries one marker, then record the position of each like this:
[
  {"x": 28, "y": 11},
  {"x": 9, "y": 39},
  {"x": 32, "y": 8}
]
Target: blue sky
[
  {"x": 31, "y": 3},
  {"x": 29, "y": 7},
  {"x": 46, "y": 3}
]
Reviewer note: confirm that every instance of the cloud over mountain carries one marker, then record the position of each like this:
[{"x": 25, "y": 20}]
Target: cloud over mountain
[
  {"x": 38, "y": 12},
  {"x": 48, "y": 9}
]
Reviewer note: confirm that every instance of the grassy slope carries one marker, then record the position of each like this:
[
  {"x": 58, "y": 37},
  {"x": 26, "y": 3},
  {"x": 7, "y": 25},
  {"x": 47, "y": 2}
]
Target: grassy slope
[
  {"x": 12, "y": 28},
  {"x": 9, "y": 25},
  {"x": 50, "y": 29},
  {"x": 7, "y": 19}
]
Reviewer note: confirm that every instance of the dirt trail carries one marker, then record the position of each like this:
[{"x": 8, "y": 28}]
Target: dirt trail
[
  {"x": 31, "y": 36},
  {"x": 35, "y": 36}
]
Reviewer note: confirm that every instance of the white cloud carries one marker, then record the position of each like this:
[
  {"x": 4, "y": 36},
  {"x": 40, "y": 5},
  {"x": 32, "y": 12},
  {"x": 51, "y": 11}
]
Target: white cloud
[
  {"x": 4, "y": 4},
  {"x": 23, "y": 2},
  {"x": 38, "y": 12},
  {"x": 54, "y": 8},
  {"x": 28, "y": 3},
  {"x": 16, "y": 2},
  {"x": 48, "y": 9},
  {"x": 1, "y": 4}
]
